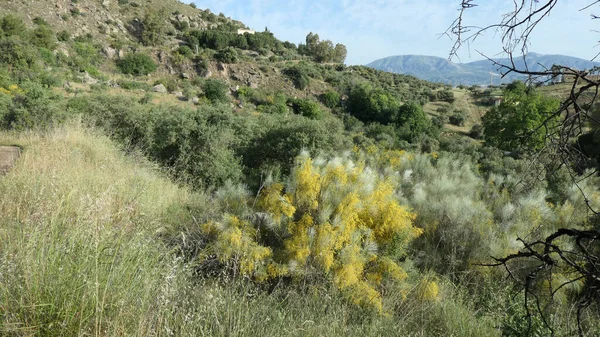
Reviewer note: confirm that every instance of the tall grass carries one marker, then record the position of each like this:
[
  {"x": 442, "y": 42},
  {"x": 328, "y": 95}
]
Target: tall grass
[
  {"x": 82, "y": 254},
  {"x": 77, "y": 250}
]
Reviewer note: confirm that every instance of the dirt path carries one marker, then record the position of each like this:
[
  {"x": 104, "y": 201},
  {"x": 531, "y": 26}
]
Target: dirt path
[{"x": 8, "y": 156}]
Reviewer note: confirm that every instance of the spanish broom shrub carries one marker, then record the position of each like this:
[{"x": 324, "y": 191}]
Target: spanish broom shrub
[{"x": 335, "y": 218}]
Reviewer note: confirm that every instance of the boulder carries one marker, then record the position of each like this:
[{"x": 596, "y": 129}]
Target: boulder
[
  {"x": 110, "y": 53},
  {"x": 87, "y": 79},
  {"x": 159, "y": 88}
]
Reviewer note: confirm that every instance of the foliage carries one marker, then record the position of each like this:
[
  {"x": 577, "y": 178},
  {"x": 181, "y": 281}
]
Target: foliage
[
  {"x": 330, "y": 99},
  {"x": 307, "y": 108},
  {"x": 343, "y": 235},
  {"x": 299, "y": 76},
  {"x": 520, "y": 121},
  {"x": 32, "y": 106},
  {"x": 458, "y": 118},
  {"x": 215, "y": 90},
  {"x": 323, "y": 51},
  {"x": 17, "y": 53},
  {"x": 372, "y": 105},
  {"x": 413, "y": 122},
  {"x": 227, "y": 55},
  {"x": 153, "y": 27},
  {"x": 12, "y": 25},
  {"x": 136, "y": 64},
  {"x": 446, "y": 95},
  {"x": 43, "y": 36}
]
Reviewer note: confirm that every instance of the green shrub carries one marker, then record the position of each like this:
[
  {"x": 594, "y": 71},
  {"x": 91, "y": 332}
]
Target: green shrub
[
  {"x": 40, "y": 21},
  {"x": 446, "y": 95},
  {"x": 153, "y": 27},
  {"x": 186, "y": 51},
  {"x": 307, "y": 108},
  {"x": 43, "y": 36},
  {"x": 63, "y": 36},
  {"x": 169, "y": 83},
  {"x": 476, "y": 131},
  {"x": 12, "y": 25},
  {"x": 136, "y": 64},
  {"x": 458, "y": 118},
  {"x": 35, "y": 108},
  {"x": 227, "y": 55},
  {"x": 330, "y": 99},
  {"x": 215, "y": 90},
  {"x": 18, "y": 54},
  {"x": 372, "y": 105},
  {"x": 298, "y": 75}
]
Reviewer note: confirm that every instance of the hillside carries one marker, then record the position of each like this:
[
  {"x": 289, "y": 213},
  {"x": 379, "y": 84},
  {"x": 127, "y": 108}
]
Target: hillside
[{"x": 437, "y": 69}]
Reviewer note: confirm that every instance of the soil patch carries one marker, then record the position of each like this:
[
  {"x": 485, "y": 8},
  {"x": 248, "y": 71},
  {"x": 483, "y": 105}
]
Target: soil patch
[{"x": 8, "y": 156}]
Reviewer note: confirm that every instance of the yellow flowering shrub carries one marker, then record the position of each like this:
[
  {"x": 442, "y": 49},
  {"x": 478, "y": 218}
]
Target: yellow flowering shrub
[
  {"x": 12, "y": 90},
  {"x": 234, "y": 242},
  {"x": 333, "y": 217},
  {"x": 344, "y": 212}
]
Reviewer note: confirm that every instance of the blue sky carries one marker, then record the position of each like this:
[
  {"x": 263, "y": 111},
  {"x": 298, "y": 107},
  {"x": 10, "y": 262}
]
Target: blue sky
[{"x": 373, "y": 29}]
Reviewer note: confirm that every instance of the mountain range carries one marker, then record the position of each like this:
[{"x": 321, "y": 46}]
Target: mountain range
[{"x": 437, "y": 69}]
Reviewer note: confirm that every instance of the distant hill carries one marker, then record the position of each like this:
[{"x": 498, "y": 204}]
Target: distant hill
[{"x": 437, "y": 69}]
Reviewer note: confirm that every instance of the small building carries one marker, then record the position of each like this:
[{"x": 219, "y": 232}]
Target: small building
[{"x": 242, "y": 31}]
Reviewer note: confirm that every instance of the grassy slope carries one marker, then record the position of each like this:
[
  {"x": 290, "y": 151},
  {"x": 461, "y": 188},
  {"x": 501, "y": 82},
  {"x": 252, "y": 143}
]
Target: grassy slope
[
  {"x": 81, "y": 254},
  {"x": 464, "y": 102}
]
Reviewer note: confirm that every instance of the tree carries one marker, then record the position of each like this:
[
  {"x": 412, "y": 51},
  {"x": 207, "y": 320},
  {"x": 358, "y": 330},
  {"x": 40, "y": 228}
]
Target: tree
[
  {"x": 372, "y": 105},
  {"x": 340, "y": 53},
  {"x": 413, "y": 122},
  {"x": 516, "y": 123}
]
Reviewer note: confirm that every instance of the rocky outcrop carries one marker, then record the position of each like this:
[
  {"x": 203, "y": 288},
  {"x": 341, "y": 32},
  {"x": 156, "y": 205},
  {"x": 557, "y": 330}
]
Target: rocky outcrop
[{"x": 160, "y": 88}]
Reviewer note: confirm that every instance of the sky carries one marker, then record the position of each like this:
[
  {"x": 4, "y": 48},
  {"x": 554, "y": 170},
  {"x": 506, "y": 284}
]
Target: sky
[{"x": 374, "y": 29}]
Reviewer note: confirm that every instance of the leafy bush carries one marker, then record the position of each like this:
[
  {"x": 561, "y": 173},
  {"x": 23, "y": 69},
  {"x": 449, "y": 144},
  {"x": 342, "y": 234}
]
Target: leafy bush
[
  {"x": 458, "y": 118},
  {"x": 372, "y": 105},
  {"x": 153, "y": 27},
  {"x": 136, "y": 64},
  {"x": 12, "y": 25},
  {"x": 43, "y": 36},
  {"x": 186, "y": 51},
  {"x": 33, "y": 107},
  {"x": 307, "y": 108},
  {"x": 476, "y": 131},
  {"x": 63, "y": 36},
  {"x": 215, "y": 90},
  {"x": 17, "y": 53},
  {"x": 299, "y": 76},
  {"x": 227, "y": 55},
  {"x": 517, "y": 122},
  {"x": 446, "y": 95},
  {"x": 330, "y": 99}
]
